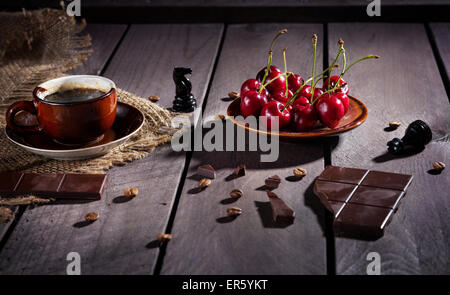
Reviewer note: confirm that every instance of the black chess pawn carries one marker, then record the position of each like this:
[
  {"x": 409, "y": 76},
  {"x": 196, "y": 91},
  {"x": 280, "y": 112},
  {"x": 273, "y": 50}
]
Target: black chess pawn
[
  {"x": 417, "y": 135},
  {"x": 184, "y": 100}
]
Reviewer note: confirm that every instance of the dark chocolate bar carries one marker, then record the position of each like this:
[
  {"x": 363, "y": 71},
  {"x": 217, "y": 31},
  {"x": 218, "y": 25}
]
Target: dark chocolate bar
[
  {"x": 362, "y": 201},
  {"x": 57, "y": 186},
  {"x": 281, "y": 212}
]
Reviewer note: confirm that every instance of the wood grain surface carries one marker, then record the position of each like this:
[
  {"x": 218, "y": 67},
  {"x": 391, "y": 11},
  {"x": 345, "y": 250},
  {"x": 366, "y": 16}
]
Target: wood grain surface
[
  {"x": 205, "y": 240},
  {"x": 403, "y": 85},
  {"x": 122, "y": 241},
  {"x": 441, "y": 34}
]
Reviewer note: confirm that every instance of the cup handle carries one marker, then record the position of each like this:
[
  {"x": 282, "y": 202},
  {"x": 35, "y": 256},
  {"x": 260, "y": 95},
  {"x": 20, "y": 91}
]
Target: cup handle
[{"x": 27, "y": 106}]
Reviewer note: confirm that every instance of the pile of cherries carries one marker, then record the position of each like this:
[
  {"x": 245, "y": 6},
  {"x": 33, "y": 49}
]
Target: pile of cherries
[{"x": 288, "y": 97}]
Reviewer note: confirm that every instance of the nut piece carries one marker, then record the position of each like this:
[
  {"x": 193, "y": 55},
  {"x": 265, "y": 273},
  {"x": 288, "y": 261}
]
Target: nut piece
[
  {"x": 239, "y": 170},
  {"x": 91, "y": 217},
  {"x": 153, "y": 98},
  {"x": 394, "y": 124},
  {"x": 236, "y": 193},
  {"x": 233, "y": 94},
  {"x": 206, "y": 171},
  {"x": 5, "y": 215},
  {"x": 131, "y": 192},
  {"x": 205, "y": 182},
  {"x": 273, "y": 181},
  {"x": 438, "y": 166},
  {"x": 299, "y": 172},
  {"x": 164, "y": 237},
  {"x": 221, "y": 117},
  {"x": 234, "y": 211}
]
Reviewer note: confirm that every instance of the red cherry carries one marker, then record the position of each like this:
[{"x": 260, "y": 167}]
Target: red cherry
[
  {"x": 274, "y": 109},
  {"x": 281, "y": 96},
  {"x": 333, "y": 80},
  {"x": 252, "y": 85},
  {"x": 252, "y": 102},
  {"x": 294, "y": 82},
  {"x": 306, "y": 92},
  {"x": 305, "y": 118},
  {"x": 344, "y": 98},
  {"x": 276, "y": 85},
  {"x": 301, "y": 101},
  {"x": 273, "y": 69},
  {"x": 330, "y": 109}
]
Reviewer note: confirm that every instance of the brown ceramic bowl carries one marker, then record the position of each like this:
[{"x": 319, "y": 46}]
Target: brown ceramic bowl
[
  {"x": 75, "y": 122},
  {"x": 355, "y": 116}
]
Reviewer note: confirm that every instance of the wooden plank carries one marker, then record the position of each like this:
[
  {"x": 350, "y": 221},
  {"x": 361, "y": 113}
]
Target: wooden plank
[
  {"x": 110, "y": 35},
  {"x": 204, "y": 240},
  {"x": 403, "y": 85},
  {"x": 122, "y": 241},
  {"x": 95, "y": 63},
  {"x": 441, "y": 33}
]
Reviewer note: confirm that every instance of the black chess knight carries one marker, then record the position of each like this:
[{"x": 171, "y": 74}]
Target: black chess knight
[{"x": 184, "y": 100}]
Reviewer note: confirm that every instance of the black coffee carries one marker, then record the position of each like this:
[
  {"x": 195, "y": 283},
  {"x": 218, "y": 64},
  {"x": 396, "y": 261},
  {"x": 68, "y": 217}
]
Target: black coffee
[{"x": 73, "y": 95}]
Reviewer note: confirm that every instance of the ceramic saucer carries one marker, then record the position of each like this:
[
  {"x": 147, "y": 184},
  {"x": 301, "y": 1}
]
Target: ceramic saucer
[{"x": 128, "y": 121}]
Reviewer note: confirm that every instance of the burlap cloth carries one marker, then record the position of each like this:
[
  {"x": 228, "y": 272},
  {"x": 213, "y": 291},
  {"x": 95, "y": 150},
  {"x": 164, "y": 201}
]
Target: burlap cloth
[{"x": 39, "y": 45}]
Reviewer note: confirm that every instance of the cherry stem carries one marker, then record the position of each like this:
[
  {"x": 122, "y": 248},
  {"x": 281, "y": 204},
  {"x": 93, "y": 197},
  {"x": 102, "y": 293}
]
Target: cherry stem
[
  {"x": 270, "y": 81},
  {"x": 285, "y": 71},
  {"x": 336, "y": 86},
  {"x": 283, "y": 31},
  {"x": 294, "y": 96},
  {"x": 269, "y": 59},
  {"x": 332, "y": 65},
  {"x": 314, "y": 42},
  {"x": 361, "y": 59},
  {"x": 269, "y": 63}
]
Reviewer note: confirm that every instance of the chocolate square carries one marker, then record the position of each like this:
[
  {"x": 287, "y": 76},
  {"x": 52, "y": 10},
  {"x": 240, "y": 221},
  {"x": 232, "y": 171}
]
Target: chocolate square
[
  {"x": 374, "y": 196},
  {"x": 334, "y": 191},
  {"x": 89, "y": 186},
  {"x": 387, "y": 180},
  {"x": 9, "y": 181},
  {"x": 342, "y": 174},
  {"x": 336, "y": 207},
  {"x": 40, "y": 183},
  {"x": 363, "y": 220}
]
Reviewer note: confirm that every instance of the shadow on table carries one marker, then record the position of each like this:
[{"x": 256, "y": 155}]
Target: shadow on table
[
  {"x": 313, "y": 202},
  {"x": 265, "y": 213},
  {"x": 387, "y": 156},
  {"x": 289, "y": 154}
]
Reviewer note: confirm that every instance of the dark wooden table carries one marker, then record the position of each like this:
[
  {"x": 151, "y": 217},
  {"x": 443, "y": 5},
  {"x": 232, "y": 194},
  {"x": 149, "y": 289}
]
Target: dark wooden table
[{"x": 409, "y": 81}]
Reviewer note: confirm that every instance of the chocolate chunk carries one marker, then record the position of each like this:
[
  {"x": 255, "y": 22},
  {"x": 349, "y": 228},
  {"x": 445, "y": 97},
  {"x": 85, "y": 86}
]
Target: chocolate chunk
[
  {"x": 362, "y": 220},
  {"x": 206, "y": 171},
  {"x": 239, "y": 170},
  {"x": 273, "y": 181},
  {"x": 58, "y": 186},
  {"x": 362, "y": 201},
  {"x": 281, "y": 212}
]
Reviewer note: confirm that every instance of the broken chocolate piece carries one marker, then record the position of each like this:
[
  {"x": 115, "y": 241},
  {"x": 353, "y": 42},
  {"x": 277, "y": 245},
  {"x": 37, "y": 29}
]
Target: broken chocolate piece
[
  {"x": 362, "y": 201},
  {"x": 206, "y": 171},
  {"x": 58, "y": 186},
  {"x": 273, "y": 181},
  {"x": 239, "y": 170},
  {"x": 281, "y": 212}
]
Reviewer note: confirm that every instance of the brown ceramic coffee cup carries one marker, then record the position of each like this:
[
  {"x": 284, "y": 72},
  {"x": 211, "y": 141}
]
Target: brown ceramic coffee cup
[{"x": 73, "y": 110}]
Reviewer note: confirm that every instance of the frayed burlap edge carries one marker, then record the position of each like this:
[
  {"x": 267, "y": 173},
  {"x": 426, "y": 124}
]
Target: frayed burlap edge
[{"x": 37, "y": 46}]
